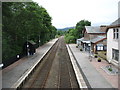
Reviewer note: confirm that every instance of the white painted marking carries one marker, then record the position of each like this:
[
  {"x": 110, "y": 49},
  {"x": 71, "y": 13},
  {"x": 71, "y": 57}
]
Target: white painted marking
[{"x": 78, "y": 74}]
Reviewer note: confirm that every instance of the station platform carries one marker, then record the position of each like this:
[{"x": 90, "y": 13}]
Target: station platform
[
  {"x": 93, "y": 78},
  {"x": 14, "y": 72}
]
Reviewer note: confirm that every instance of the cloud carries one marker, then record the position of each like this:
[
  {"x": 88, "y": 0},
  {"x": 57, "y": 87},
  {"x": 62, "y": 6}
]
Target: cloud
[{"x": 68, "y": 12}]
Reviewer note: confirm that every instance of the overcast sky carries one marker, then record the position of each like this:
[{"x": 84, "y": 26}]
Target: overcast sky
[{"x": 66, "y": 13}]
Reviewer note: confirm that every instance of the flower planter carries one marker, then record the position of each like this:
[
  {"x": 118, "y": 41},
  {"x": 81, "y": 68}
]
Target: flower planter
[
  {"x": 81, "y": 50},
  {"x": 99, "y": 59},
  {"x": 76, "y": 46},
  {"x": 95, "y": 56}
]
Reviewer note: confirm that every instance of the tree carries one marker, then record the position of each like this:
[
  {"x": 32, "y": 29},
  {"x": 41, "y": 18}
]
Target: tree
[
  {"x": 73, "y": 34},
  {"x": 80, "y": 26},
  {"x": 23, "y": 21}
]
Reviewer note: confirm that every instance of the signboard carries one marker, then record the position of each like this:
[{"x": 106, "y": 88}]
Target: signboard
[{"x": 99, "y": 46}]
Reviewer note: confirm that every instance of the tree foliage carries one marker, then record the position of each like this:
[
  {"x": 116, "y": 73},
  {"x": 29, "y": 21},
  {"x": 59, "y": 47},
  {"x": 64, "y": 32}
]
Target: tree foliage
[
  {"x": 76, "y": 33},
  {"x": 80, "y": 26},
  {"x": 24, "y": 21}
]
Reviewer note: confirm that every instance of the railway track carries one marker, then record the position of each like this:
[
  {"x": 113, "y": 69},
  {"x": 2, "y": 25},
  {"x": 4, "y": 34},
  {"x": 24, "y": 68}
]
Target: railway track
[{"x": 54, "y": 71}]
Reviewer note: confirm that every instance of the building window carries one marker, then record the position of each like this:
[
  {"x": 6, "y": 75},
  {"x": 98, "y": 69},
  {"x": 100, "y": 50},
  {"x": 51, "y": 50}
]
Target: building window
[
  {"x": 115, "y": 54},
  {"x": 115, "y": 33}
]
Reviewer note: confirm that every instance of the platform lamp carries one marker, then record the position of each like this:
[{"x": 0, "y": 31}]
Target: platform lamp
[
  {"x": 1, "y": 65},
  {"x": 39, "y": 40}
]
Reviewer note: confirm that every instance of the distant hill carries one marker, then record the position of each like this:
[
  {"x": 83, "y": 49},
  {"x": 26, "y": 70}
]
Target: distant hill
[{"x": 65, "y": 29}]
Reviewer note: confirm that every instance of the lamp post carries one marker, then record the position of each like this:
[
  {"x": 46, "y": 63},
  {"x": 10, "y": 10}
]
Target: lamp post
[{"x": 27, "y": 47}]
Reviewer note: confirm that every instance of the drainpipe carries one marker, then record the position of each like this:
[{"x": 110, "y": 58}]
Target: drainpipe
[{"x": 90, "y": 50}]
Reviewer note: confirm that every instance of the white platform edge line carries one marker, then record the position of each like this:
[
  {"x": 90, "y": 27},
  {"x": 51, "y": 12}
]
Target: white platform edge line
[
  {"x": 77, "y": 71},
  {"x": 23, "y": 77}
]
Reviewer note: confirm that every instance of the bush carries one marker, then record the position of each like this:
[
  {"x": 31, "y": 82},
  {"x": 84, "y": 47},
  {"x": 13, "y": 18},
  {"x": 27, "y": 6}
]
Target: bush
[
  {"x": 102, "y": 54},
  {"x": 57, "y": 36},
  {"x": 69, "y": 39},
  {"x": 96, "y": 53},
  {"x": 110, "y": 69}
]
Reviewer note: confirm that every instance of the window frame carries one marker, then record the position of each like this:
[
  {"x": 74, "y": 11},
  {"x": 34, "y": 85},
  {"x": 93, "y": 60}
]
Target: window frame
[
  {"x": 115, "y": 33},
  {"x": 115, "y": 54}
]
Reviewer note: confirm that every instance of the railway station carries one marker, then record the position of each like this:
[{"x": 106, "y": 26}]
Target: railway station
[
  {"x": 44, "y": 46},
  {"x": 55, "y": 65}
]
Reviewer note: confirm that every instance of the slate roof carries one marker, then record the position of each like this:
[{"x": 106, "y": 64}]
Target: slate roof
[
  {"x": 94, "y": 40},
  {"x": 98, "y": 38},
  {"x": 83, "y": 40},
  {"x": 117, "y": 22},
  {"x": 32, "y": 42},
  {"x": 94, "y": 29}
]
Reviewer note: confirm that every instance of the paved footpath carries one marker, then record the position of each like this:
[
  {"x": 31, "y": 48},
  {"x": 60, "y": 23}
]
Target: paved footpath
[
  {"x": 13, "y": 72},
  {"x": 94, "y": 78}
]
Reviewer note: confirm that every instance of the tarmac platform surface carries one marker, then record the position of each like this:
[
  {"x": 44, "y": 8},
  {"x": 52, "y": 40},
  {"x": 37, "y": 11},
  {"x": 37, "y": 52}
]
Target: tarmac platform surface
[
  {"x": 94, "y": 78},
  {"x": 12, "y": 73}
]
